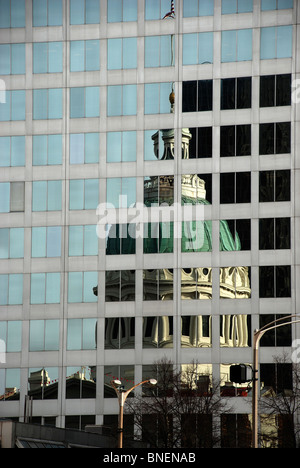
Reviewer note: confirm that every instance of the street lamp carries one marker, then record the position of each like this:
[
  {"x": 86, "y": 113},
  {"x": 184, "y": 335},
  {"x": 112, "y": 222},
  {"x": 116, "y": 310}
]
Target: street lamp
[
  {"x": 257, "y": 336},
  {"x": 122, "y": 395}
]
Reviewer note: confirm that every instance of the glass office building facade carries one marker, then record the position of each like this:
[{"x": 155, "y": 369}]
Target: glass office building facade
[{"x": 110, "y": 102}]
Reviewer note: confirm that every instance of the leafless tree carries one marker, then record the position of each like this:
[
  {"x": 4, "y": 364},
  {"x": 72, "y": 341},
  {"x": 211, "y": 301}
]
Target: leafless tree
[
  {"x": 280, "y": 407},
  {"x": 183, "y": 410}
]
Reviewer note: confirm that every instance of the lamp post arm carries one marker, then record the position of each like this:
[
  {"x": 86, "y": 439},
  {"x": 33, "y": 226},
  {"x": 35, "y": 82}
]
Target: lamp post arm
[{"x": 257, "y": 336}]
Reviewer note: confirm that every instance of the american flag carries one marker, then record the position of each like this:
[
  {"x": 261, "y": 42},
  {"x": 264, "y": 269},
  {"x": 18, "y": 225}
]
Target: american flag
[{"x": 171, "y": 13}]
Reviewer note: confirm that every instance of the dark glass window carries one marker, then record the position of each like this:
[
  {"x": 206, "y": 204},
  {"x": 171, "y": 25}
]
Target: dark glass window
[
  {"x": 197, "y": 95},
  {"x": 235, "y": 187},
  {"x": 281, "y": 336},
  {"x": 200, "y": 144},
  {"x": 274, "y": 233},
  {"x": 275, "y": 281},
  {"x": 275, "y": 138},
  {"x": 274, "y": 186},
  {"x": 119, "y": 285},
  {"x": 277, "y": 376},
  {"x": 235, "y": 140},
  {"x": 241, "y": 233},
  {"x": 275, "y": 90},
  {"x": 236, "y": 93}
]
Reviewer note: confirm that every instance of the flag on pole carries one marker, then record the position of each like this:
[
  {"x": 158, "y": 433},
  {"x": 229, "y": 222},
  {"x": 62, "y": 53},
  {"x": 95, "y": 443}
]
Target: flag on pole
[{"x": 171, "y": 13}]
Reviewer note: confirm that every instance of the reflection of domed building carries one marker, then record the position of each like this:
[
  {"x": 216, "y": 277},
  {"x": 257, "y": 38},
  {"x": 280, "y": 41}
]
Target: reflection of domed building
[{"x": 196, "y": 283}]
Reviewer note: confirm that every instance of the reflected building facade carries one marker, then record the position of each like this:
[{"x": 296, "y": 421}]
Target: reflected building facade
[{"x": 111, "y": 104}]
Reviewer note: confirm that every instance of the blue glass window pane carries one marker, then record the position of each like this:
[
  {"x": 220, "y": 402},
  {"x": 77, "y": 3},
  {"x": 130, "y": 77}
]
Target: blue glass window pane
[
  {"x": 3, "y": 289},
  {"x": 129, "y": 100},
  {"x": 37, "y": 333},
  {"x": 283, "y": 4},
  {"x": 40, "y": 104},
  {"x": 38, "y": 242},
  {"x": 92, "y": 101},
  {"x": 128, "y": 191},
  {"x": 18, "y": 13},
  {"x": 74, "y": 334},
  {"x": 89, "y": 333},
  {"x": 39, "y": 12},
  {"x": 113, "y": 191},
  {"x": 55, "y": 104},
  {"x": 91, "y": 148},
  {"x": 14, "y": 336},
  {"x": 55, "y": 53},
  {"x": 113, "y": 147},
  {"x": 75, "y": 286},
  {"x": 4, "y": 13},
  {"x": 114, "y": 11},
  {"x": 166, "y": 51},
  {"x": 268, "y": 5},
  {"x": 54, "y": 241},
  {"x": 114, "y": 54},
  {"x": 228, "y": 46},
  {"x": 190, "y": 8},
  {"x": 267, "y": 43},
  {"x": 54, "y": 195},
  {"x": 5, "y": 106},
  {"x": 92, "y": 55},
  {"x": 206, "y": 7},
  {"x": 129, "y": 52},
  {"x": 54, "y": 149},
  {"x": 206, "y": 47},
  {"x": 4, "y": 197},
  {"x": 76, "y": 195},
  {"x": 39, "y": 150},
  {"x": 18, "y": 59},
  {"x": 152, "y": 98},
  {"x": 51, "y": 335},
  {"x": 16, "y": 247},
  {"x": 40, "y": 57},
  {"x": 129, "y": 10},
  {"x": 15, "y": 291},
  {"x": 152, "y": 9},
  {"x": 77, "y": 148},
  {"x": 52, "y": 288},
  {"x": 129, "y": 146},
  {"x": 76, "y": 102},
  {"x": 4, "y": 243},
  {"x": 5, "y": 151},
  {"x": 36, "y": 337},
  {"x": 76, "y": 56},
  {"x": 38, "y": 288},
  {"x": 90, "y": 241},
  {"x": 165, "y": 90},
  {"x": 39, "y": 195},
  {"x": 18, "y": 105},
  {"x": 92, "y": 11},
  {"x": 5, "y": 59},
  {"x": 228, "y": 6},
  {"x": 18, "y": 150},
  {"x": 75, "y": 241},
  {"x": 284, "y": 41},
  {"x": 245, "y": 6},
  {"x": 244, "y": 44},
  {"x": 114, "y": 100},
  {"x": 91, "y": 194},
  {"x": 90, "y": 280},
  {"x": 76, "y": 11},
  {"x": 189, "y": 49},
  {"x": 152, "y": 51},
  {"x": 55, "y": 12}
]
